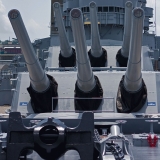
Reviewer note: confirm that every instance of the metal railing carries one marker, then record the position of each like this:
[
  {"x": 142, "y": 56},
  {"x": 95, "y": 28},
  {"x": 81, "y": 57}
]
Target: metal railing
[
  {"x": 66, "y": 104},
  {"x": 93, "y": 68},
  {"x": 6, "y": 74}
]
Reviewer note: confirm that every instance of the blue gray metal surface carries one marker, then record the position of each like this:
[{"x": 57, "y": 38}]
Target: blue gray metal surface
[{"x": 66, "y": 91}]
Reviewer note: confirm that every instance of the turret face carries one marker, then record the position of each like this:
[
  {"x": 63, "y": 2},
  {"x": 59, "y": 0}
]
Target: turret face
[
  {"x": 66, "y": 49},
  {"x": 85, "y": 78},
  {"x": 133, "y": 77},
  {"x": 38, "y": 78},
  {"x": 87, "y": 85},
  {"x": 123, "y": 53},
  {"x": 96, "y": 49}
]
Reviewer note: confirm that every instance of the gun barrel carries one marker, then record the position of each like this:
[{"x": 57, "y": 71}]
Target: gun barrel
[
  {"x": 133, "y": 77},
  {"x": 85, "y": 78},
  {"x": 66, "y": 49},
  {"x": 96, "y": 49},
  {"x": 39, "y": 80},
  {"x": 127, "y": 29}
]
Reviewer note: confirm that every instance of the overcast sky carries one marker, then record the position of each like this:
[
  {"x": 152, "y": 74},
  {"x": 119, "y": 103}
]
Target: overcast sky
[{"x": 36, "y": 16}]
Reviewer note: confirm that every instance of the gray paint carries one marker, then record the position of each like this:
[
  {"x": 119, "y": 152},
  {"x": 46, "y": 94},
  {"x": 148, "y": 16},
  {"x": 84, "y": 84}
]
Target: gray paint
[
  {"x": 110, "y": 16},
  {"x": 52, "y": 60},
  {"x": 66, "y": 81},
  {"x": 146, "y": 62},
  {"x": 102, "y": 3},
  {"x": 6, "y": 92},
  {"x": 109, "y": 79},
  {"x": 112, "y": 48}
]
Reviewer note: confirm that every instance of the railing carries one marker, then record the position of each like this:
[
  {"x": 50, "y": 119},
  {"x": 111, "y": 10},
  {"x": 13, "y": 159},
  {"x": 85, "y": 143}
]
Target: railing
[
  {"x": 6, "y": 74},
  {"x": 93, "y": 68},
  {"x": 66, "y": 104},
  {"x": 103, "y": 18}
]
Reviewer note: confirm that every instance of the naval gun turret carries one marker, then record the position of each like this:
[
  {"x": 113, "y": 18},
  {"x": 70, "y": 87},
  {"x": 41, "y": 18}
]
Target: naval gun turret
[
  {"x": 67, "y": 53},
  {"x": 87, "y": 85},
  {"x": 123, "y": 53},
  {"x": 132, "y": 93},
  {"x": 97, "y": 54},
  {"x": 42, "y": 87}
]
